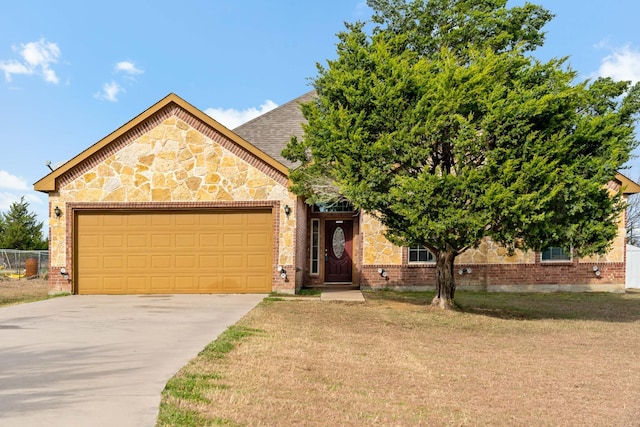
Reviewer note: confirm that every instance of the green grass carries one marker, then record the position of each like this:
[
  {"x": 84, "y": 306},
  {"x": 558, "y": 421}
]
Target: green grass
[
  {"x": 191, "y": 385},
  {"x": 6, "y": 301},
  {"x": 613, "y": 307},
  {"x": 310, "y": 292}
]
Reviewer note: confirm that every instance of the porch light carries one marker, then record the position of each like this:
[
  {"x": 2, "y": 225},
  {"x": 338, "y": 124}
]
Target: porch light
[
  {"x": 57, "y": 211},
  {"x": 287, "y": 210}
]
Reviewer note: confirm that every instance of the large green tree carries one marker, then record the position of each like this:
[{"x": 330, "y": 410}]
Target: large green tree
[
  {"x": 20, "y": 229},
  {"x": 442, "y": 124}
]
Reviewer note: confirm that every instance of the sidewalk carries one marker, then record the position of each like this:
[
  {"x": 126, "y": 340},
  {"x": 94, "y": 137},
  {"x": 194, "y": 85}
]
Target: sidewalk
[{"x": 342, "y": 295}]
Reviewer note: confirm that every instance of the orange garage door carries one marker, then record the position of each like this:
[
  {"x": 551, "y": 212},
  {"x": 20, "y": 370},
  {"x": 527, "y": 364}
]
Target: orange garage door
[{"x": 173, "y": 252}]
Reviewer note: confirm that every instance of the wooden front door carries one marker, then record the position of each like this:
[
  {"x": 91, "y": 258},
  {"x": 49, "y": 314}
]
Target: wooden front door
[{"x": 338, "y": 251}]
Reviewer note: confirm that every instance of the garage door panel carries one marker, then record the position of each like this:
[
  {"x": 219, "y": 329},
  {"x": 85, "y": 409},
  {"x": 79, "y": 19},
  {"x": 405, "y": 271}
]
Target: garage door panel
[
  {"x": 109, "y": 262},
  {"x": 182, "y": 252},
  {"x": 185, "y": 282},
  {"x": 233, "y": 282},
  {"x": 92, "y": 262},
  {"x": 186, "y": 261},
  {"x": 161, "y": 240},
  {"x": 232, "y": 261},
  {"x": 137, "y": 240},
  {"x": 161, "y": 261},
  {"x": 211, "y": 220},
  {"x": 113, "y": 221},
  {"x": 260, "y": 261},
  {"x": 209, "y": 262},
  {"x": 210, "y": 284},
  {"x": 161, "y": 220},
  {"x": 233, "y": 239},
  {"x": 208, "y": 240},
  {"x": 90, "y": 241},
  {"x": 114, "y": 284},
  {"x": 185, "y": 240},
  {"x": 257, "y": 239},
  {"x": 161, "y": 284},
  {"x": 136, "y": 261},
  {"x": 255, "y": 283}
]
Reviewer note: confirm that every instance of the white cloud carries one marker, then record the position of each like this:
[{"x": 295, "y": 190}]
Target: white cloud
[
  {"x": 12, "y": 182},
  {"x": 110, "y": 92},
  {"x": 622, "y": 64},
  {"x": 37, "y": 58},
  {"x": 232, "y": 118},
  {"x": 15, "y": 187},
  {"x": 128, "y": 68}
]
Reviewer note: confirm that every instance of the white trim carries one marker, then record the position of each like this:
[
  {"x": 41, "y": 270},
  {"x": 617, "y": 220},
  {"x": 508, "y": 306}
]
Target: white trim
[
  {"x": 419, "y": 262},
  {"x": 317, "y": 272},
  {"x": 556, "y": 261}
]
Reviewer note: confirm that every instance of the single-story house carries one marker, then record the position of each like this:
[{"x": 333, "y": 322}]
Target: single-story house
[{"x": 174, "y": 202}]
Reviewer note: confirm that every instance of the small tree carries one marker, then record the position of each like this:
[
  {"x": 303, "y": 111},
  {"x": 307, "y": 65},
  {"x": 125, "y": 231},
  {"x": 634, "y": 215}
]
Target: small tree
[
  {"x": 19, "y": 228},
  {"x": 442, "y": 125}
]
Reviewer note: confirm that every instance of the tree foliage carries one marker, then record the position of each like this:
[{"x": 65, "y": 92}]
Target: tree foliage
[
  {"x": 19, "y": 228},
  {"x": 441, "y": 123}
]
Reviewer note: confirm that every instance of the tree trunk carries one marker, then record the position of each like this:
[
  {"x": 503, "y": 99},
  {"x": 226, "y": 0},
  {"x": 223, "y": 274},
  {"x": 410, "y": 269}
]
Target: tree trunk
[{"x": 445, "y": 283}]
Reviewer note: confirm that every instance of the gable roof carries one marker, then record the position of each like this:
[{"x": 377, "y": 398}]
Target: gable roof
[
  {"x": 48, "y": 183},
  {"x": 628, "y": 186},
  {"x": 272, "y": 131}
]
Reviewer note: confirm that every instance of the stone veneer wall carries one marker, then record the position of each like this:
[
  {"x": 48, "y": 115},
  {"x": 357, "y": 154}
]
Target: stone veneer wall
[
  {"x": 492, "y": 267},
  {"x": 172, "y": 158}
]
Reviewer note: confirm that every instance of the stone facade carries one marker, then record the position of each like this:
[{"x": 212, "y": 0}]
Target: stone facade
[
  {"x": 176, "y": 160},
  {"x": 491, "y": 267},
  {"x": 173, "y": 156}
]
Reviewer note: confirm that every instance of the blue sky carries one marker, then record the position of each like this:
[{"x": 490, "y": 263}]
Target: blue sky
[{"x": 71, "y": 72}]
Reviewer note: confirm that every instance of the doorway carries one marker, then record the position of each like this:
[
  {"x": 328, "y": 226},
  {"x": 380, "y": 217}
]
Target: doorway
[{"x": 338, "y": 251}]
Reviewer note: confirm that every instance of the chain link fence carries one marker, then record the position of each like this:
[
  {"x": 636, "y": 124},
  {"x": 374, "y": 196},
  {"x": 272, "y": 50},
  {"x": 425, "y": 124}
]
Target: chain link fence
[{"x": 15, "y": 264}]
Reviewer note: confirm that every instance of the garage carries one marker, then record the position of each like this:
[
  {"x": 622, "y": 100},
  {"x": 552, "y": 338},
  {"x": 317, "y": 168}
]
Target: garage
[{"x": 173, "y": 251}]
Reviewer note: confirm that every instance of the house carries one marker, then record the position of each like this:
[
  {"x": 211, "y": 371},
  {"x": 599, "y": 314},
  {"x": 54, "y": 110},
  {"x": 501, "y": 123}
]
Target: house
[{"x": 174, "y": 202}]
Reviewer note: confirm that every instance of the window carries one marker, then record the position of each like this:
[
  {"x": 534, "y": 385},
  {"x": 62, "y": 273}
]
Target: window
[
  {"x": 420, "y": 254},
  {"x": 315, "y": 246},
  {"x": 554, "y": 253},
  {"x": 342, "y": 206}
]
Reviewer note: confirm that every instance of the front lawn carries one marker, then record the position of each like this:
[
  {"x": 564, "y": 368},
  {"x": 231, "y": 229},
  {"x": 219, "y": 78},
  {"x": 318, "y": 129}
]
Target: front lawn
[{"x": 502, "y": 360}]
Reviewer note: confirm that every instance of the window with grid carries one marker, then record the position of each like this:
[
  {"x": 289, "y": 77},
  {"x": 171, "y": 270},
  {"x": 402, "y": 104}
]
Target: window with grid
[
  {"x": 420, "y": 254},
  {"x": 554, "y": 253}
]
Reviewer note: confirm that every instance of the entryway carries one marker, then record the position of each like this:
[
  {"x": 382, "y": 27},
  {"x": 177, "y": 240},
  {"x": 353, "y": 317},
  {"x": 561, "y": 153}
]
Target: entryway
[{"x": 338, "y": 251}]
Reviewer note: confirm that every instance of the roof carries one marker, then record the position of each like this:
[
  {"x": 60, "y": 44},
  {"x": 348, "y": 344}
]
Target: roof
[
  {"x": 48, "y": 183},
  {"x": 272, "y": 131},
  {"x": 628, "y": 186}
]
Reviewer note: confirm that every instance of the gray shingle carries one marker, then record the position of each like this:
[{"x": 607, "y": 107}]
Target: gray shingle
[{"x": 271, "y": 131}]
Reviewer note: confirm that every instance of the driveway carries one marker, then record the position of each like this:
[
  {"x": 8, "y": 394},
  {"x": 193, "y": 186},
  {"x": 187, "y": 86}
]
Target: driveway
[{"x": 103, "y": 360}]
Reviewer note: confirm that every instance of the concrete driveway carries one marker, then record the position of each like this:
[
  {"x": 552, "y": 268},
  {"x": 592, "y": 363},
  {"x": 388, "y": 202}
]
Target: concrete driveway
[{"x": 103, "y": 360}]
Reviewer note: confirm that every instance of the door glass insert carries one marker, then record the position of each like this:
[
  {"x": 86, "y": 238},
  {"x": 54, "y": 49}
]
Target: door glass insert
[{"x": 338, "y": 242}]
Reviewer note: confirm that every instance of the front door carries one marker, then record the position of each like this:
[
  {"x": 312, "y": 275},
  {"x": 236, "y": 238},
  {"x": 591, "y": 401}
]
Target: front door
[{"x": 338, "y": 250}]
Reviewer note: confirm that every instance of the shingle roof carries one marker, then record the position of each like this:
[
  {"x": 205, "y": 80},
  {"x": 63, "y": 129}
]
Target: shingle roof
[{"x": 271, "y": 131}]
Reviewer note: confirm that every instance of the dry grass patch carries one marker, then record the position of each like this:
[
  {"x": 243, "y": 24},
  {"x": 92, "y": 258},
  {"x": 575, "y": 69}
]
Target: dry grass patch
[
  {"x": 14, "y": 291},
  {"x": 504, "y": 359}
]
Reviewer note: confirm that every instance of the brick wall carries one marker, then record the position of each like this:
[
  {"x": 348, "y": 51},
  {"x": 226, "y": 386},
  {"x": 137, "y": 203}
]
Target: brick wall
[{"x": 516, "y": 277}]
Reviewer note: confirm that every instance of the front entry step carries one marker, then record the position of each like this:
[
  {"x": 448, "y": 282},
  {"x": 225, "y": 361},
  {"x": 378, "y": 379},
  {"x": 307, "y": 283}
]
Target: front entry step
[{"x": 336, "y": 286}]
